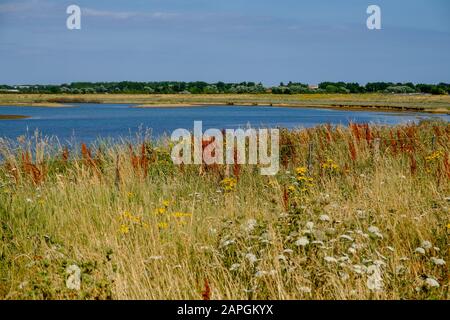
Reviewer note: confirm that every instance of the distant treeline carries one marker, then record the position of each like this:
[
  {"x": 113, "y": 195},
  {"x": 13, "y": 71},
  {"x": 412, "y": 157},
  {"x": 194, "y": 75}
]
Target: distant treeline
[{"x": 199, "y": 87}]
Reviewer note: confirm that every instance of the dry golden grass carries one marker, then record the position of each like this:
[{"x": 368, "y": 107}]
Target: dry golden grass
[{"x": 139, "y": 227}]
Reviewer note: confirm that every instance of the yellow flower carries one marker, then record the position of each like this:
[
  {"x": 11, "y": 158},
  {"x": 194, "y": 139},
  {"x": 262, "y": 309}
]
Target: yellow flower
[
  {"x": 126, "y": 215},
  {"x": 330, "y": 165},
  {"x": 181, "y": 214},
  {"x": 136, "y": 219},
  {"x": 163, "y": 225},
  {"x": 301, "y": 170},
  {"x": 434, "y": 156},
  {"x": 130, "y": 195},
  {"x": 229, "y": 184},
  {"x": 161, "y": 210},
  {"x": 124, "y": 229},
  {"x": 448, "y": 226},
  {"x": 166, "y": 203},
  {"x": 291, "y": 188}
]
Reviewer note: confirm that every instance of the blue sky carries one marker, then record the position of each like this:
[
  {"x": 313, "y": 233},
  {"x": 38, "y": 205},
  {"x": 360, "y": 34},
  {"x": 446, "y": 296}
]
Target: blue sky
[{"x": 224, "y": 40}]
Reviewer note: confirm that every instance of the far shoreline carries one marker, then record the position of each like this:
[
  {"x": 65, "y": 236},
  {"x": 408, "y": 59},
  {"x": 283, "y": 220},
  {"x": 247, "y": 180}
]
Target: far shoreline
[
  {"x": 356, "y": 102},
  {"x": 13, "y": 117}
]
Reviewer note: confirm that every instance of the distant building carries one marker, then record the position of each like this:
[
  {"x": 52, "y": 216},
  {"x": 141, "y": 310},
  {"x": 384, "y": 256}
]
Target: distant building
[
  {"x": 10, "y": 90},
  {"x": 313, "y": 87}
]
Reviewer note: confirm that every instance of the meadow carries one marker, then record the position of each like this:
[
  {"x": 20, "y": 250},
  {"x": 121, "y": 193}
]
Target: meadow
[{"x": 357, "y": 212}]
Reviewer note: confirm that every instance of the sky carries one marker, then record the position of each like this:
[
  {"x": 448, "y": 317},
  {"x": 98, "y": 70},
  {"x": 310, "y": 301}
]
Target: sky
[{"x": 265, "y": 41}]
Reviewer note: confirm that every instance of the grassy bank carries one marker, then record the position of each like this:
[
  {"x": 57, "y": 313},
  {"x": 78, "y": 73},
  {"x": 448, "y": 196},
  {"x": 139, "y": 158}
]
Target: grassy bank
[
  {"x": 11, "y": 117},
  {"x": 368, "y": 220},
  {"x": 367, "y": 101}
]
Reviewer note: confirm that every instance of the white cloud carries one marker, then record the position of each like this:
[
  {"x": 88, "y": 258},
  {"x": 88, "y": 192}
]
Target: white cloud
[
  {"x": 20, "y": 6},
  {"x": 124, "y": 15}
]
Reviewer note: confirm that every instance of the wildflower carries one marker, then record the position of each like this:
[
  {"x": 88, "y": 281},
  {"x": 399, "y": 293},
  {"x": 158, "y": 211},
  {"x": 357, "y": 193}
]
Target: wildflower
[
  {"x": 260, "y": 274},
  {"x": 73, "y": 281},
  {"x": 163, "y": 225},
  {"x": 359, "y": 269},
  {"x": 309, "y": 225},
  {"x": 124, "y": 229},
  {"x": 379, "y": 263},
  {"x": 420, "y": 250},
  {"x": 161, "y": 210},
  {"x": 126, "y": 215},
  {"x": 346, "y": 237},
  {"x": 301, "y": 170},
  {"x": 330, "y": 166},
  {"x": 130, "y": 195},
  {"x": 304, "y": 289},
  {"x": 426, "y": 245},
  {"x": 235, "y": 267},
  {"x": 432, "y": 283},
  {"x": 361, "y": 214},
  {"x": 302, "y": 242},
  {"x": 404, "y": 259},
  {"x": 434, "y": 156},
  {"x": 250, "y": 225},
  {"x": 324, "y": 217},
  {"x": 155, "y": 258},
  {"x": 29, "y": 200},
  {"x": 330, "y": 259},
  {"x": 226, "y": 243},
  {"x": 344, "y": 275},
  {"x": 375, "y": 231},
  {"x": 181, "y": 214},
  {"x": 400, "y": 270},
  {"x": 374, "y": 281},
  {"x": 291, "y": 188},
  {"x": 166, "y": 203},
  {"x": 229, "y": 184},
  {"x": 251, "y": 257},
  {"x": 438, "y": 262}
]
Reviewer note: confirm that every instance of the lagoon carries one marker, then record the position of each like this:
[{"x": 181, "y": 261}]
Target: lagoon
[{"x": 89, "y": 122}]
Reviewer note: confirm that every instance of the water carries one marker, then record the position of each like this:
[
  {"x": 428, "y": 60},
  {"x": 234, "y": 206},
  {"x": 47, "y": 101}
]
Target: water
[{"x": 88, "y": 122}]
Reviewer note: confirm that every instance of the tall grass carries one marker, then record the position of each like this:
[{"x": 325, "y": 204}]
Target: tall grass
[{"x": 369, "y": 219}]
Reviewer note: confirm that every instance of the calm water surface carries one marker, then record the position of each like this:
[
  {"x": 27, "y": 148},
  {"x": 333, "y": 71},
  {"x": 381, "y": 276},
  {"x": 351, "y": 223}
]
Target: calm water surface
[{"x": 88, "y": 122}]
